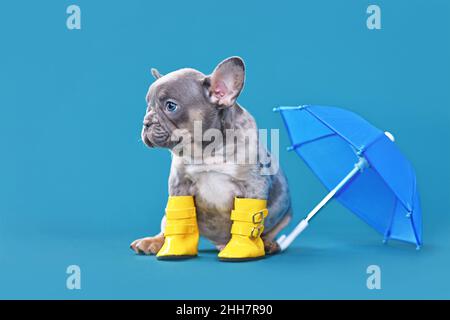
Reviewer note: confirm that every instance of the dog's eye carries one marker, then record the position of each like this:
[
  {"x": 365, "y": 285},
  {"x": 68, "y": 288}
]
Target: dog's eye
[{"x": 171, "y": 106}]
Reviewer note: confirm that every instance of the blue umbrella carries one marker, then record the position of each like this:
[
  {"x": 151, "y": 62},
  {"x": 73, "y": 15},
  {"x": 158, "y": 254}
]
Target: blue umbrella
[{"x": 361, "y": 167}]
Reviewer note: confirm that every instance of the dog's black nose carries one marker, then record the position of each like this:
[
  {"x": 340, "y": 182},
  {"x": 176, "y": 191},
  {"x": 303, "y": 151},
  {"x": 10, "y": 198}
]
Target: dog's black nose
[
  {"x": 147, "y": 123},
  {"x": 149, "y": 119}
]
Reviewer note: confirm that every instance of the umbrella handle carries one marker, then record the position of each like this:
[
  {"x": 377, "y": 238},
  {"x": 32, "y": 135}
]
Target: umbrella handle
[{"x": 284, "y": 241}]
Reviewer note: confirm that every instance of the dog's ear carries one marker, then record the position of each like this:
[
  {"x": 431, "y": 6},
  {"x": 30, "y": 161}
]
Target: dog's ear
[
  {"x": 226, "y": 82},
  {"x": 156, "y": 74}
]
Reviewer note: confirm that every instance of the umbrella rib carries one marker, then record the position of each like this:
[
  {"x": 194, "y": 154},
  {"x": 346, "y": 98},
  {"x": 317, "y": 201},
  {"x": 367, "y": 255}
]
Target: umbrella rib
[
  {"x": 418, "y": 242},
  {"x": 416, "y": 235},
  {"x": 359, "y": 148},
  {"x": 406, "y": 206},
  {"x": 403, "y": 203},
  {"x": 387, "y": 234},
  {"x": 298, "y": 145},
  {"x": 381, "y": 135},
  {"x": 330, "y": 127}
]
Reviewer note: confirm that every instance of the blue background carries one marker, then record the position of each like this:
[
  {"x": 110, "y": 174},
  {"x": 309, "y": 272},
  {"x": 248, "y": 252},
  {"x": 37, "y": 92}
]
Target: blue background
[{"x": 77, "y": 185}]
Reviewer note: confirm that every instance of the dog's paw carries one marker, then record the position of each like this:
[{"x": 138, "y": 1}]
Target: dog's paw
[
  {"x": 271, "y": 247},
  {"x": 148, "y": 245}
]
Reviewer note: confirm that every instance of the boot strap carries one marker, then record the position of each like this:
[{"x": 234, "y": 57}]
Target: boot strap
[
  {"x": 184, "y": 213},
  {"x": 179, "y": 229},
  {"x": 255, "y": 218},
  {"x": 249, "y": 230}
]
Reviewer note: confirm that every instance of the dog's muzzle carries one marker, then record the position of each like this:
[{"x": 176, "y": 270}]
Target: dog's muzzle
[
  {"x": 153, "y": 132},
  {"x": 144, "y": 137}
]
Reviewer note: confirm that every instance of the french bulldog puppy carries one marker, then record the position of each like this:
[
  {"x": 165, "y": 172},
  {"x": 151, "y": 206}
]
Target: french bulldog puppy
[{"x": 175, "y": 103}]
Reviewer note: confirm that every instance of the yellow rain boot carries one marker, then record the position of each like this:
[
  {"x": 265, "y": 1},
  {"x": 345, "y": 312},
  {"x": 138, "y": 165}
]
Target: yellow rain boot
[
  {"x": 181, "y": 232},
  {"x": 248, "y": 224}
]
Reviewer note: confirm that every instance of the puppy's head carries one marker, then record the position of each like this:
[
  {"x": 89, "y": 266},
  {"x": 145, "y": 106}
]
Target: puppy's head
[{"x": 176, "y": 100}]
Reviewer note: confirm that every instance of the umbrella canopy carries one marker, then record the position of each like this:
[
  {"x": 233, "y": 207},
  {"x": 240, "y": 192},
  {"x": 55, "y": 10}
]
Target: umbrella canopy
[{"x": 382, "y": 191}]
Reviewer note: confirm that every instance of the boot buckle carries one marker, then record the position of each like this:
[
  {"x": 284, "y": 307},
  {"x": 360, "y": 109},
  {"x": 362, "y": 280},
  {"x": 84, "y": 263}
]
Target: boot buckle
[
  {"x": 256, "y": 231},
  {"x": 258, "y": 217}
]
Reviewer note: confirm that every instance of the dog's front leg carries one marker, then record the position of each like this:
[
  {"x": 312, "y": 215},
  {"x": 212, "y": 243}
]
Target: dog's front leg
[
  {"x": 148, "y": 245},
  {"x": 181, "y": 234},
  {"x": 151, "y": 245}
]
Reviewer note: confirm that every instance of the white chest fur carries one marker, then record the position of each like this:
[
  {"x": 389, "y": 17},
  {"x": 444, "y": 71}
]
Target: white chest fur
[{"x": 215, "y": 185}]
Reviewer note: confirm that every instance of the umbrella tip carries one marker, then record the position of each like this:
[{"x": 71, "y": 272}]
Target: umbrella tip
[
  {"x": 290, "y": 148},
  {"x": 418, "y": 247},
  {"x": 390, "y": 136},
  {"x": 276, "y": 109}
]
